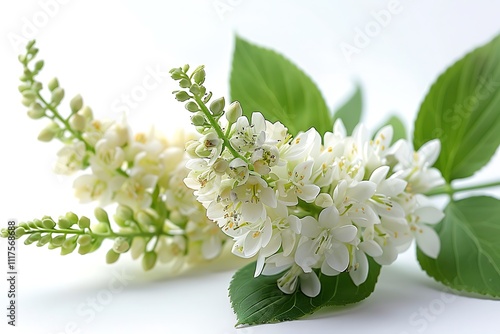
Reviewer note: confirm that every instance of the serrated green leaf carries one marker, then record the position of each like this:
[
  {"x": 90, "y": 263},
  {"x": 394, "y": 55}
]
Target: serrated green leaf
[
  {"x": 398, "y": 127},
  {"x": 263, "y": 80},
  {"x": 350, "y": 113},
  {"x": 462, "y": 110},
  {"x": 469, "y": 259},
  {"x": 260, "y": 301}
]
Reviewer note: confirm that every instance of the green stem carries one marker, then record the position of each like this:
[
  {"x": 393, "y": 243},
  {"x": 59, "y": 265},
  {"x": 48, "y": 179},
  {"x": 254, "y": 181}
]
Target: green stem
[
  {"x": 217, "y": 129},
  {"x": 111, "y": 235},
  {"x": 449, "y": 190}
]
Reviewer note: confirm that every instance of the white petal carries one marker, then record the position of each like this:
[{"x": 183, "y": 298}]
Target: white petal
[
  {"x": 273, "y": 245},
  {"x": 429, "y": 215},
  {"x": 371, "y": 248},
  {"x": 338, "y": 258},
  {"x": 430, "y": 151},
  {"x": 329, "y": 217},
  {"x": 268, "y": 197},
  {"x": 252, "y": 212},
  {"x": 389, "y": 256},
  {"x": 310, "y": 284},
  {"x": 345, "y": 233},
  {"x": 308, "y": 192},
  {"x": 379, "y": 174},
  {"x": 428, "y": 241},
  {"x": 261, "y": 260},
  {"x": 288, "y": 239},
  {"x": 360, "y": 272},
  {"x": 310, "y": 227},
  {"x": 211, "y": 248},
  {"x": 362, "y": 191},
  {"x": 251, "y": 246},
  {"x": 294, "y": 223},
  {"x": 305, "y": 257},
  {"x": 327, "y": 270},
  {"x": 339, "y": 128}
]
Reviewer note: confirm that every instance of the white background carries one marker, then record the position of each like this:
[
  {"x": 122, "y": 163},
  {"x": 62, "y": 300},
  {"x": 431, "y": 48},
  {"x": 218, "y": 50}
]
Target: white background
[{"x": 104, "y": 49}]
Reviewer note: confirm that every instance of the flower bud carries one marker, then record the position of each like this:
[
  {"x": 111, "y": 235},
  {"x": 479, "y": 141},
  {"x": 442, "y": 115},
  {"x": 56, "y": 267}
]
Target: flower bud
[
  {"x": 39, "y": 65},
  {"x": 124, "y": 212},
  {"x": 234, "y": 112},
  {"x": 182, "y": 96},
  {"x": 323, "y": 200},
  {"x": 58, "y": 241},
  {"x": 86, "y": 112},
  {"x": 71, "y": 218},
  {"x": 57, "y": 95},
  {"x": 53, "y": 84},
  {"x": 101, "y": 228},
  {"x": 202, "y": 152},
  {"x": 29, "y": 94},
  {"x": 191, "y": 148},
  {"x": 84, "y": 240},
  {"x": 199, "y": 75},
  {"x": 48, "y": 223},
  {"x": 198, "y": 119},
  {"x": 77, "y": 122},
  {"x": 220, "y": 166},
  {"x": 176, "y": 73},
  {"x": 85, "y": 249},
  {"x": 44, "y": 240},
  {"x": 37, "y": 86},
  {"x": 138, "y": 246},
  {"x": 20, "y": 232},
  {"x": 217, "y": 106},
  {"x": 36, "y": 111},
  {"x": 177, "y": 218},
  {"x": 195, "y": 89},
  {"x": 184, "y": 83},
  {"x": 32, "y": 238},
  {"x": 76, "y": 103},
  {"x": 149, "y": 260},
  {"x": 121, "y": 245},
  {"x": 68, "y": 246},
  {"x": 192, "y": 106},
  {"x": 84, "y": 222},
  {"x": 49, "y": 132},
  {"x": 112, "y": 256},
  {"x": 101, "y": 215},
  {"x": 144, "y": 218}
]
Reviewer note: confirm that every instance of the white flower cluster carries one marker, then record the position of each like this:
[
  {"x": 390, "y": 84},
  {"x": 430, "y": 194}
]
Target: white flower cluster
[
  {"x": 305, "y": 202},
  {"x": 133, "y": 172}
]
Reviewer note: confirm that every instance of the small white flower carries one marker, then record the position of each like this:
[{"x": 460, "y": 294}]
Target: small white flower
[
  {"x": 254, "y": 195},
  {"x": 298, "y": 185},
  {"x": 70, "y": 158}
]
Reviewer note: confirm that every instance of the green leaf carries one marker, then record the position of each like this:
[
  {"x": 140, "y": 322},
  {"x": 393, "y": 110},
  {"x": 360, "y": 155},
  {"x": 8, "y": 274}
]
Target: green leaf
[
  {"x": 469, "y": 259},
  {"x": 398, "y": 127},
  {"x": 263, "y": 80},
  {"x": 462, "y": 110},
  {"x": 260, "y": 301},
  {"x": 350, "y": 112}
]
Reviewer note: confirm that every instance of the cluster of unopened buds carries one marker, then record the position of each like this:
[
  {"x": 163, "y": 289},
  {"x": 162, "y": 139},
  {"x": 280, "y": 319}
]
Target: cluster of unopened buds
[
  {"x": 157, "y": 216},
  {"x": 306, "y": 203}
]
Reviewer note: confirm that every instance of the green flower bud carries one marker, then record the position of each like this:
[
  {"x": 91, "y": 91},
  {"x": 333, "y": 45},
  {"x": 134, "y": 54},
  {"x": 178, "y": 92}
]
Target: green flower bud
[
  {"x": 23, "y": 87},
  {"x": 71, "y": 218},
  {"x": 63, "y": 223},
  {"x": 21, "y": 58},
  {"x": 49, "y": 132},
  {"x": 185, "y": 68},
  {"x": 48, "y": 224},
  {"x": 26, "y": 102},
  {"x": 84, "y": 249},
  {"x": 39, "y": 65},
  {"x": 192, "y": 106},
  {"x": 77, "y": 122},
  {"x": 195, "y": 89},
  {"x": 234, "y": 112},
  {"x": 176, "y": 73},
  {"x": 84, "y": 222},
  {"x": 86, "y": 112},
  {"x": 24, "y": 225},
  {"x": 33, "y": 237},
  {"x": 202, "y": 152},
  {"x": 184, "y": 83},
  {"x": 101, "y": 228},
  {"x": 101, "y": 215},
  {"x": 138, "y": 247},
  {"x": 84, "y": 240},
  {"x": 217, "y": 106},
  {"x": 144, "y": 218},
  {"x": 199, "y": 75},
  {"x": 53, "y": 84},
  {"x": 24, "y": 78},
  {"x": 220, "y": 166},
  {"x": 69, "y": 245},
  {"x": 149, "y": 260},
  {"x": 57, "y": 95},
  {"x": 44, "y": 240},
  {"x": 4, "y": 233},
  {"x": 182, "y": 96},
  {"x": 36, "y": 111},
  {"x": 39, "y": 223},
  {"x": 76, "y": 103},
  {"x": 29, "y": 94},
  {"x": 58, "y": 241},
  {"x": 30, "y": 44},
  {"x": 112, "y": 256},
  {"x": 121, "y": 245},
  {"x": 37, "y": 86},
  {"x": 20, "y": 232},
  {"x": 124, "y": 212},
  {"x": 198, "y": 119}
]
